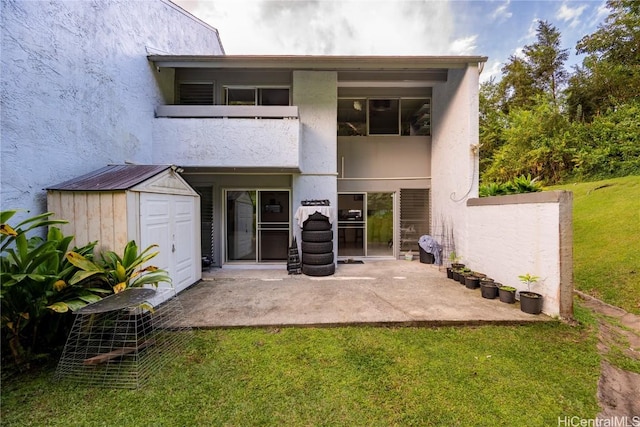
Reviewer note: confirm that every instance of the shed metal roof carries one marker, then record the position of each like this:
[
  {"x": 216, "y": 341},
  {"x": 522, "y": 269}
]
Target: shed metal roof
[{"x": 110, "y": 178}]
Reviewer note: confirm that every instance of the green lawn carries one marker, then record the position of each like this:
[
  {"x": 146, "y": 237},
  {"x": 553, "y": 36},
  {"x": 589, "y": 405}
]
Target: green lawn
[
  {"x": 492, "y": 375},
  {"x": 606, "y": 240}
]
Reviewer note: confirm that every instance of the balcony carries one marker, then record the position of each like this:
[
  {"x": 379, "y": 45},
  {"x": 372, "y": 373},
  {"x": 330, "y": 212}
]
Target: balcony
[{"x": 220, "y": 136}]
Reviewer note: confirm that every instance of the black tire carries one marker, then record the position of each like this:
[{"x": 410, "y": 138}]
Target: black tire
[
  {"x": 317, "y": 259},
  {"x": 311, "y": 225},
  {"x": 317, "y": 216},
  {"x": 317, "y": 247},
  {"x": 319, "y": 270},
  {"x": 317, "y": 236}
]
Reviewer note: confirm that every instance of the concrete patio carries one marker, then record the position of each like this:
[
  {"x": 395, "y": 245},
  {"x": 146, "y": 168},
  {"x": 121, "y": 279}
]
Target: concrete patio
[{"x": 377, "y": 293}]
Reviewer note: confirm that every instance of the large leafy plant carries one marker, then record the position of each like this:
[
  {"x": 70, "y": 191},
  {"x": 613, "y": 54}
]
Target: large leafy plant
[
  {"x": 120, "y": 273},
  {"x": 35, "y": 283}
]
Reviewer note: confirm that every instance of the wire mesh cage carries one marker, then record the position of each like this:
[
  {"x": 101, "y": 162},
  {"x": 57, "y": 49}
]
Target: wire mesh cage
[{"x": 121, "y": 342}]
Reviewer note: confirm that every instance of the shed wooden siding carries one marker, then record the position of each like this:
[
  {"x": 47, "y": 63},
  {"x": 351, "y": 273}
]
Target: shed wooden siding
[{"x": 100, "y": 216}]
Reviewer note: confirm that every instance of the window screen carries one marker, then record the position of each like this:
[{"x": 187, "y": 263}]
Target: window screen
[{"x": 195, "y": 94}]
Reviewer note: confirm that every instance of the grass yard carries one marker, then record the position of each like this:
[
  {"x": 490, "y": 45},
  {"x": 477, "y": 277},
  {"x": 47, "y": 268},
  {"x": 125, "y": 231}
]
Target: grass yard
[
  {"x": 606, "y": 240},
  {"x": 355, "y": 376},
  {"x": 368, "y": 376}
]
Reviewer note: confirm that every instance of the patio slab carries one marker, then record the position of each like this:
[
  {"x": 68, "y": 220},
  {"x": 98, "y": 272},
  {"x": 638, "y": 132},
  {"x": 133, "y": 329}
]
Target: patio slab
[{"x": 386, "y": 292}]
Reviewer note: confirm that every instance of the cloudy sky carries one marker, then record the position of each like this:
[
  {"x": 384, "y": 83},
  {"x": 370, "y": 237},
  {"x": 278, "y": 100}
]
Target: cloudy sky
[{"x": 496, "y": 29}]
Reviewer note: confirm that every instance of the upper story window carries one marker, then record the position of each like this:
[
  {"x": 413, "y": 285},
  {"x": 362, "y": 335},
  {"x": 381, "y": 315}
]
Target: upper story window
[
  {"x": 196, "y": 93},
  {"x": 257, "y": 96},
  {"x": 384, "y": 116}
]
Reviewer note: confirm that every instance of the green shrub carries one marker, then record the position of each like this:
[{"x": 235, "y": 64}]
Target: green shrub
[
  {"x": 35, "y": 283},
  {"x": 518, "y": 185}
]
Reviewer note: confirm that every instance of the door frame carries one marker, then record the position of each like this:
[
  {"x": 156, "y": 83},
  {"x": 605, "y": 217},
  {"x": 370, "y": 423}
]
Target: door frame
[
  {"x": 395, "y": 235},
  {"x": 225, "y": 224}
]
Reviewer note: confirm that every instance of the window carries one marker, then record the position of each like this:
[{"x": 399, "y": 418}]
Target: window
[
  {"x": 196, "y": 93},
  {"x": 241, "y": 96},
  {"x": 414, "y": 217},
  {"x": 415, "y": 116},
  {"x": 256, "y": 96},
  {"x": 352, "y": 117},
  {"x": 384, "y": 116}
]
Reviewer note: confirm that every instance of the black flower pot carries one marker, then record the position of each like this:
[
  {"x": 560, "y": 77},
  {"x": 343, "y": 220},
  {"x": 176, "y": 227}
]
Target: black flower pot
[
  {"x": 507, "y": 296},
  {"x": 486, "y": 280},
  {"x": 449, "y": 273},
  {"x": 471, "y": 282},
  {"x": 531, "y": 302},
  {"x": 455, "y": 275},
  {"x": 489, "y": 290},
  {"x": 462, "y": 277}
]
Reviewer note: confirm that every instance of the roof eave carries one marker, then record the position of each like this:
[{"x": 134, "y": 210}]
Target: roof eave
[{"x": 313, "y": 62}]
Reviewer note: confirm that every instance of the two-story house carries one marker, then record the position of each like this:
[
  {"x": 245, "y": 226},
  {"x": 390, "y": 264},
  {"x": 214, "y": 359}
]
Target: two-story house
[
  {"x": 386, "y": 140},
  {"x": 391, "y": 142}
]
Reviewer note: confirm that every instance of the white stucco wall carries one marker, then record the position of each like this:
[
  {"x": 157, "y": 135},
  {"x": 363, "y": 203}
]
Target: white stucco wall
[
  {"x": 454, "y": 165},
  {"x": 510, "y": 236},
  {"x": 226, "y": 142},
  {"x": 316, "y": 95},
  {"x": 77, "y": 90}
]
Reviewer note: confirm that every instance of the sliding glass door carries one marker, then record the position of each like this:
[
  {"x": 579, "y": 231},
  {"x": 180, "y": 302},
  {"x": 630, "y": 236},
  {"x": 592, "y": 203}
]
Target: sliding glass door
[
  {"x": 379, "y": 224},
  {"x": 365, "y": 224},
  {"x": 258, "y": 225}
]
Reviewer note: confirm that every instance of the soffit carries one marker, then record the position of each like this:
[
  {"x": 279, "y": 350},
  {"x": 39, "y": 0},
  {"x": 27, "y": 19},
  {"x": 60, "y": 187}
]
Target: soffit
[{"x": 311, "y": 62}]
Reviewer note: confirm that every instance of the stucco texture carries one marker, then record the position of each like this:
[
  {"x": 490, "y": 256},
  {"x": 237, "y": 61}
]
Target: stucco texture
[{"x": 77, "y": 90}]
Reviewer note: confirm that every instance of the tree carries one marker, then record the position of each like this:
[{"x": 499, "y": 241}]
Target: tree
[
  {"x": 492, "y": 122},
  {"x": 610, "y": 74},
  {"x": 539, "y": 72},
  {"x": 546, "y": 60}
]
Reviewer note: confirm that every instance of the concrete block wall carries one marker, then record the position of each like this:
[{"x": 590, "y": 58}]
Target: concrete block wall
[
  {"x": 77, "y": 89},
  {"x": 509, "y": 236}
]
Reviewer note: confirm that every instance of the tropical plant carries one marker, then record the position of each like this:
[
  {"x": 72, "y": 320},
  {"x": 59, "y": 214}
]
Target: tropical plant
[
  {"x": 528, "y": 280},
  {"x": 454, "y": 257},
  {"x": 34, "y": 277},
  {"x": 523, "y": 184},
  {"x": 492, "y": 189},
  {"x": 517, "y": 185},
  {"x": 120, "y": 273}
]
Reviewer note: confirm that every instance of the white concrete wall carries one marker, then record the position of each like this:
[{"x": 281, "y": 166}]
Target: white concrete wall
[
  {"x": 530, "y": 233},
  {"x": 368, "y": 157},
  {"x": 227, "y": 142},
  {"x": 316, "y": 95},
  {"x": 454, "y": 165},
  {"x": 77, "y": 90}
]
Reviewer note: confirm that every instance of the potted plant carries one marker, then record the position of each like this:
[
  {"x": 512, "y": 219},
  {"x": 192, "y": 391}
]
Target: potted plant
[
  {"x": 455, "y": 260},
  {"x": 530, "y": 302},
  {"x": 463, "y": 275},
  {"x": 471, "y": 281},
  {"x": 488, "y": 289},
  {"x": 507, "y": 294}
]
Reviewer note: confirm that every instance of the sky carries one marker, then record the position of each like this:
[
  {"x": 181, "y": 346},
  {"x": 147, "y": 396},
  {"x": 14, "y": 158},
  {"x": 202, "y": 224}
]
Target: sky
[{"x": 493, "y": 28}]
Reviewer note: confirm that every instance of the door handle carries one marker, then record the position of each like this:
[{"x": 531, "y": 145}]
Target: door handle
[{"x": 173, "y": 247}]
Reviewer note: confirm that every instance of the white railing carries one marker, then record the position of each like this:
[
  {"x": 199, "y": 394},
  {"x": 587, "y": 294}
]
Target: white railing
[{"x": 227, "y": 111}]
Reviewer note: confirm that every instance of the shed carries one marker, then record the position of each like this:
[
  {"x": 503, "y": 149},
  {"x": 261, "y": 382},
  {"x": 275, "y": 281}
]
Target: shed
[{"x": 151, "y": 204}]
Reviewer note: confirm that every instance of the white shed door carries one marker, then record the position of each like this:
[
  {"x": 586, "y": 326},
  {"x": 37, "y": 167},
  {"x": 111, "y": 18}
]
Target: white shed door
[{"x": 171, "y": 221}]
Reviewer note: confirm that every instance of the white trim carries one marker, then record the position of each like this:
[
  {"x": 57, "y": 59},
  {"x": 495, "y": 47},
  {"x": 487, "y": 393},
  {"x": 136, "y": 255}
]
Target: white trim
[{"x": 227, "y": 111}]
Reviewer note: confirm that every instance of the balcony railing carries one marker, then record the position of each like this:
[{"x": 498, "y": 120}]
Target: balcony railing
[
  {"x": 227, "y": 111},
  {"x": 219, "y": 136}
]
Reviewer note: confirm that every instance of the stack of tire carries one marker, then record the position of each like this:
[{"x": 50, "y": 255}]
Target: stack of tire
[{"x": 317, "y": 246}]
